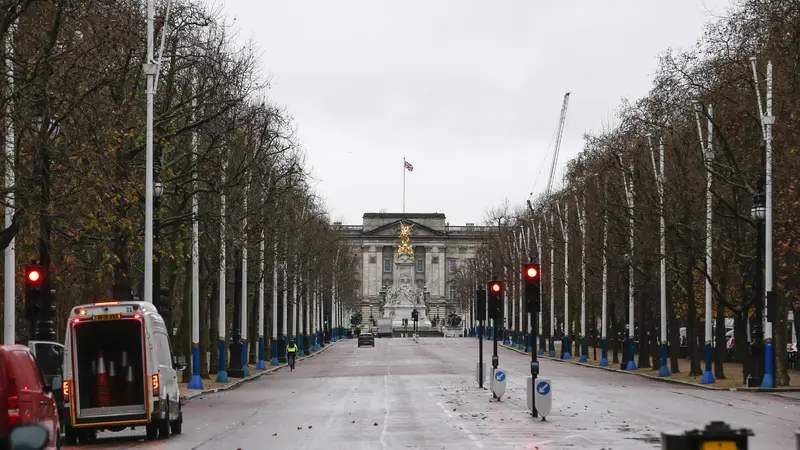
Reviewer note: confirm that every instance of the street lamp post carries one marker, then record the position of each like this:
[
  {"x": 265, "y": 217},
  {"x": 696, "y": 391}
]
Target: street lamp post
[
  {"x": 758, "y": 212},
  {"x": 150, "y": 69}
]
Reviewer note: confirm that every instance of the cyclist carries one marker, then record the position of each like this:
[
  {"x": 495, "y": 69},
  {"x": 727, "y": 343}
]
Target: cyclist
[{"x": 291, "y": 352}]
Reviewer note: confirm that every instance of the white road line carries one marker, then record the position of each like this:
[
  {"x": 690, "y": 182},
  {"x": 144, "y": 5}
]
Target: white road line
[
  {"x": 385, "y": 416},
  {"x": 461, "y": 424}
]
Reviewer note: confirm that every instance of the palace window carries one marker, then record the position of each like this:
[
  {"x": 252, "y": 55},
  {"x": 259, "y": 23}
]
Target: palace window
[
  {"x": 387, "y": 265},
  {"x": 451, "y": 263},
  {"x": 452, "y": 291},
  {"x": 420, "y": 265}
]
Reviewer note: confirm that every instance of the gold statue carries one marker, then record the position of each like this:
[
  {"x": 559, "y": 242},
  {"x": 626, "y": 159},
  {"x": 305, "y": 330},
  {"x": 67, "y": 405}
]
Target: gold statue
[{"x": 404, "y": 247}]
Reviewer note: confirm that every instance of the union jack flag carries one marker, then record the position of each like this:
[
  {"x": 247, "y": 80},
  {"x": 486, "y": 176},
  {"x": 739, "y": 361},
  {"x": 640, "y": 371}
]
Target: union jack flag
[{"x": 408, "y": 166}]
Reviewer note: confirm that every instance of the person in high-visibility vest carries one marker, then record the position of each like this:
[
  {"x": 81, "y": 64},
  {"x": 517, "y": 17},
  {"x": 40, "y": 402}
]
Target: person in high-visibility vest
[{"x": 291, "y": 352}]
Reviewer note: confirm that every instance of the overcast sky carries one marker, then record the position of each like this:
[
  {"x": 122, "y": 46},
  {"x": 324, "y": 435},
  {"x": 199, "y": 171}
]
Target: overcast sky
[{"x": 469, "y": 92}]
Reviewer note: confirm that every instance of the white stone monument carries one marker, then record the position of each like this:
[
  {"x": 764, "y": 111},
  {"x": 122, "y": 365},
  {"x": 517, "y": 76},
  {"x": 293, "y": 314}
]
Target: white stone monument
[{"x": 404, "y": 296}]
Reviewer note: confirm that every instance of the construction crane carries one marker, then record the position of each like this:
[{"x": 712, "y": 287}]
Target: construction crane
[{"x": 559, "y": 133}]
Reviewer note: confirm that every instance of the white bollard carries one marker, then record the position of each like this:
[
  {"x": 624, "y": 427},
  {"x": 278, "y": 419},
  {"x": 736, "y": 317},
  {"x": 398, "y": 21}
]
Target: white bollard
[
  {"x": 498, "y": 383},
  {"x": 542, "y": 395}
]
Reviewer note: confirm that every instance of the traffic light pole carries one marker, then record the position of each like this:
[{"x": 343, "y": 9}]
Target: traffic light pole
[
  {"x": 480, "y": 353},
  {"x": 533, "y": 297},
  {"x": 481, "y": 301},
  {"x": 534, "y": 358},
  {"x": 495, "y": 330}
]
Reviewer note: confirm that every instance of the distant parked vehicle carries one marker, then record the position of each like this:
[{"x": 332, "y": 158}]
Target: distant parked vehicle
[
  {"x": 366, "y": 339},
  {"x": 385, "y": 328}
]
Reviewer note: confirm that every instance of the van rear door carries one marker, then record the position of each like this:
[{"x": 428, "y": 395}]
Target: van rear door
[{"x": 110, "y": 337}]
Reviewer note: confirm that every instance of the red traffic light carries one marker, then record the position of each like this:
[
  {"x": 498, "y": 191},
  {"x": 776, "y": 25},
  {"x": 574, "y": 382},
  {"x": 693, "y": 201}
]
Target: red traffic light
[
  {"x": 532, "y": 271},
  {"x": 495, "y": 287},
  {"x": 34, "y": 275}
]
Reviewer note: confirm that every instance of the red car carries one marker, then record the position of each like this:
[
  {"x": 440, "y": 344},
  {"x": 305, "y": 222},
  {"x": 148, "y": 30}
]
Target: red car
[{"x": 28, "y": 398}]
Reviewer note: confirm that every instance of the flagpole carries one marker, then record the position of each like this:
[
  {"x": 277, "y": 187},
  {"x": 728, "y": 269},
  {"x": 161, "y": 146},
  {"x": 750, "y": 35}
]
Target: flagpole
[{"x": 404, "y": 185}]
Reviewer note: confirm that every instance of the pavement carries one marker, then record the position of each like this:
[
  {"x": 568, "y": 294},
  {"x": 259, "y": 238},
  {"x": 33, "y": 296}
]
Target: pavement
[{"x": 404, "y": 395}]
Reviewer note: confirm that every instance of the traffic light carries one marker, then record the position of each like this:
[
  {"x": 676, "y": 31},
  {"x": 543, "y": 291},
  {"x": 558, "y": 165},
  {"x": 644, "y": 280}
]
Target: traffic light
[
  {"x": 34, "y": 290},
  {"x": 415, "y": 315},
  {"x": 496, "y": 301},
  {"x": 480, "y": 304},
  {"x": 533, "y": 294}
]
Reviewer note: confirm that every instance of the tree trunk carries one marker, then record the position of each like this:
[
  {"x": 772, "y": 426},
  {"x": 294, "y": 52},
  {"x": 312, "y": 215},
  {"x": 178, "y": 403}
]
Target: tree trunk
[
  {"x": 692, "y": 323},
  {"x": 184, "y": 339},
  {"x": 205, "y": 327},
  {"x": 741, "y": 348},
  {"x": 655, "y": 347},
  {"x": 673, "y": 326},
  {"x": 720, "y": 342},
  {"x": 613, "y": 333},
  {"x": 674, "y": 337},
  {"x": 252, "y": 327},
  {"x": 213, "y": 332},
  {"x": 644, "y": 336},
  {"x": 779, "y": 335}
]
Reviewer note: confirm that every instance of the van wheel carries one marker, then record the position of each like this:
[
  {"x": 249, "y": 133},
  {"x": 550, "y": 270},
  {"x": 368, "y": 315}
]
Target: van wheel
[
  {"x": 88, "y": 436},
  {"x": 70, "y": 435},
  {"x": 177, "y": 426},
  {"x": 163, "y": 425},
  {"x": 152, "y": 431}
]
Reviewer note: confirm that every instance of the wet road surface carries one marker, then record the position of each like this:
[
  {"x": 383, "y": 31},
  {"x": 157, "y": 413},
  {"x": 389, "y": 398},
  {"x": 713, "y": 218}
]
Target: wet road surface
[{"x": 403, "y": 395}]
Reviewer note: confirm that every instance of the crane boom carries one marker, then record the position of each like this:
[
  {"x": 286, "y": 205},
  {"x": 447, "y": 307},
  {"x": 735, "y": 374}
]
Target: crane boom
[{"x": 559, "y": 133}]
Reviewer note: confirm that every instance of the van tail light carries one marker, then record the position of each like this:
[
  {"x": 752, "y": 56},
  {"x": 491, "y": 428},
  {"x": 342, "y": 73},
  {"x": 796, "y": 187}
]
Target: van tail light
[
  {"x": 65, "y": 389},
  {"x": 156, "y": 385},
  {"x": 13, "y": 405}
]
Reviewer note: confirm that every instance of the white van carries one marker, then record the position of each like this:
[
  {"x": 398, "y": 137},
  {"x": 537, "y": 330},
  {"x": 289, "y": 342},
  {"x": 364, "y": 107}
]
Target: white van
[
  {"x": 384, "y": 328},
  {"x": 141, "y": 388}
]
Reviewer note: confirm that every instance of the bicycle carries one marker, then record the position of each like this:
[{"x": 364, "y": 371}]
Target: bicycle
[{"x": 292, "y": 358}]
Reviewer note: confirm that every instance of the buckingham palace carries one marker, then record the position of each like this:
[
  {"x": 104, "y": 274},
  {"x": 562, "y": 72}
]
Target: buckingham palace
[{"x": 439, "y": 251}]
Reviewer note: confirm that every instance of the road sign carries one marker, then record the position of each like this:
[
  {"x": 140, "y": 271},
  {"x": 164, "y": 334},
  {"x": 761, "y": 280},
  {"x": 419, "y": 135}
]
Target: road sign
[
  {"x": 543, "y": 387},
  {"x": 542, "y": 396},
  {"x": 498, "y": 383}
]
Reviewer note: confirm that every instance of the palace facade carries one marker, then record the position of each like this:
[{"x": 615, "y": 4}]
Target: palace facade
[{"x": 440, "y": 250}]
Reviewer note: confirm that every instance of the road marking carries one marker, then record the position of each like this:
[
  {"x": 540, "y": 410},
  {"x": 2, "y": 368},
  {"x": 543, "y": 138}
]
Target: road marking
[
  {"x": 461, "y": 424},
  {"x": 552, "y": 441},
  {"x": 385, "y": 416}
]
